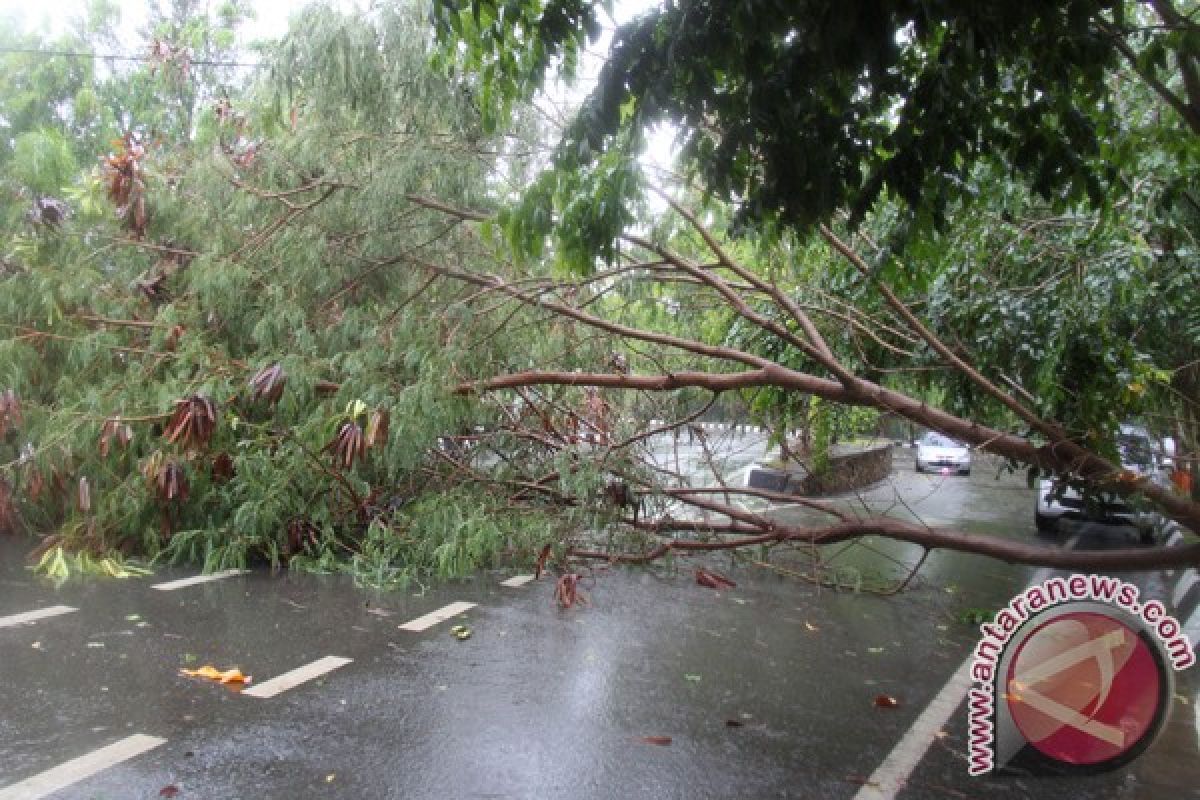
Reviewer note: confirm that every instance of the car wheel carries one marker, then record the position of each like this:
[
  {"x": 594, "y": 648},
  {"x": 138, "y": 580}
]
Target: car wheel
[
  {"x": 1146, "y": 534},
  {"x": 1045, "y": 525},
  {"x": 966, "y": 471},
  {"x": 918, "y": 468}
]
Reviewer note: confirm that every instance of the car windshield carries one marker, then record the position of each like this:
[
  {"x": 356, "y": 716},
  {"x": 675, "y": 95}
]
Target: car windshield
[{"x": 938, "y": 440}]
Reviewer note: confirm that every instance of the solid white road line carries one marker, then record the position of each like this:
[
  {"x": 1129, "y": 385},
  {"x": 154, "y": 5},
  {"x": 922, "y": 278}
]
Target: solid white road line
[
  {"x": 517, "y": 581},
  {"x": 289, "y": 680},
  {"x": 34, "y": 616},
  {"x": 75, "y": 770},
  {"x": 195, "y": 579},
  {"x": 1192, "y": 630},
  {"x": 891, "y": 775},
  {"x": 1184, "y": 585},
  {"x": 434, "y": 617}
]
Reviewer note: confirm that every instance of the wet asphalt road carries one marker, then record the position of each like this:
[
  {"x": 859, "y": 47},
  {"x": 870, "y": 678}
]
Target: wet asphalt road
[{"x": 540, "y": 703}]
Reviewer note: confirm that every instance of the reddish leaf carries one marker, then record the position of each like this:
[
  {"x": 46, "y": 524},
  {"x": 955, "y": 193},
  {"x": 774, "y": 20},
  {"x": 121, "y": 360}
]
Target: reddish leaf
[
  {"x": 222, "y": 468},
  {"x": 8, "y": 511},
  {"x": 10, "y": 411},
  {"x": 348, "y": 446},
  {"x": 377, "y": 428},
  {"x": 567, "y": 592},
  {"x": 171, "y": 483},
  {"x": 886, "y": 701},
  {"x": 302, "y": 534},
  {"x": 112, "y": 429},
  {"x": 267, "y": 384},
  {"x": 192, "y": 423},
  {"x": 661, "y": 741},
  {"x": 173, "y": 336},
  {"x": 34, "y": 484},
  {"x": 541, "y": 563},
  {"x": 169, "y": 791},
  {"x": 84, "y": 497},
  {"x": 713, "y": 580}
]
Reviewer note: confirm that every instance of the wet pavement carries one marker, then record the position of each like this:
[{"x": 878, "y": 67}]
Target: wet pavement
[{"x": 767, "y": 690}]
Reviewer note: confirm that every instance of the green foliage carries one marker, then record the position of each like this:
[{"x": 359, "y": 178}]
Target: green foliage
[
  {"x": 43, "y": 161},
  {"x": 278, "y": 235},
  {"x": 796, "y": 110}
]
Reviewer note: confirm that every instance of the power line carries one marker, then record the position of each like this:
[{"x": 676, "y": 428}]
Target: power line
[{"x": 119, "y": 57}]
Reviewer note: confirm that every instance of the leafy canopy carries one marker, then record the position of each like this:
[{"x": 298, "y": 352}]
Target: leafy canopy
[{"x": 796, "y": 110}]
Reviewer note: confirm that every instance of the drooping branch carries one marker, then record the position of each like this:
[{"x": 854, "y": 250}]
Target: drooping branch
[
  {"x": 1012, "y": 551},
  {"x": 780, "y": 297}
]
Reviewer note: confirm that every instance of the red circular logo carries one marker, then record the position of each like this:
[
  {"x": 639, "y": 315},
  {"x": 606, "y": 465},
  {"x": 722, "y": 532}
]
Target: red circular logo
[{"x": 1084, "y": 688}]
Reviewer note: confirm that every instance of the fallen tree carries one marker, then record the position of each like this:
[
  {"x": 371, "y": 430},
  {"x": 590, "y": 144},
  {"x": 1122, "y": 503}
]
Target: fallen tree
[
  {"x": 731, "y": 369},
  {"x": 966, "y": 216}
]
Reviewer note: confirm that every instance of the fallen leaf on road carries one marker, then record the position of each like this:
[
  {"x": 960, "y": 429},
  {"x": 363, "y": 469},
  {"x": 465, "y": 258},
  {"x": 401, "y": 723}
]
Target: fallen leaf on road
[
  {"x": 567, "y": 592},
  {"x": 169, "y": 791},
  {"x": 692, "y": 677},
  {"x": 734, "y": 723},
  {"x": 713, "y": 580},
  {"x": 329, "y": 778},
  {"x": 212, "y": 673},
  {"x": 811, "y": 627},
  {"x": 886, "y": 701},
  {"x": 661, "y": 741}
]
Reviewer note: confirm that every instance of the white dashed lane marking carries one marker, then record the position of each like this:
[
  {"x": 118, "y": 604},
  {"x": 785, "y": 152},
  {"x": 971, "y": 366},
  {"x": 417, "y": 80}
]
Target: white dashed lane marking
[
  {"x": 192, "y": 581},
  {"x": 517, "y": 581},
  {"x": 75, "y": 770},
  {"x": 34, "y": 616},
  {"x": 290, "y": 680},
  {"x": 434, "y": 617}
]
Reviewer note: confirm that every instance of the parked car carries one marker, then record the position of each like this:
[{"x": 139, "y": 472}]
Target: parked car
[
  {"x": 1139, "y": 454},
  {"x": 939, "y": 453}
]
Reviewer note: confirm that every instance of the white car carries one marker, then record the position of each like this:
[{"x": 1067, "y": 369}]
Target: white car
[
  {"x": 1139, "y": 454},
  {"x": 939, "y": 453}
]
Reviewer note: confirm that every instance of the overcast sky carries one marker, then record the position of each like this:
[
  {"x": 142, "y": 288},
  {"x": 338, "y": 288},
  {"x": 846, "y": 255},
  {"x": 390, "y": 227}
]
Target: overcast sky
[
  {"x": 271, "y": 18},
  {"x": 271, "y": 15}
]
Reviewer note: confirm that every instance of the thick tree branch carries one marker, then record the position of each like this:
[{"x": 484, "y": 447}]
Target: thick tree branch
[{"x": 1012, "y": 551}]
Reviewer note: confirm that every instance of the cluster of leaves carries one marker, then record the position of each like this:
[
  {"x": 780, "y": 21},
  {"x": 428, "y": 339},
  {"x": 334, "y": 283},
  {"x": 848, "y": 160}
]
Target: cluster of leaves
[{"x": 797, "y": 110}]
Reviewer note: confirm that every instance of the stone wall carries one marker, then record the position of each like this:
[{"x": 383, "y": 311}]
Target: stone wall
[{"x": 847, "y": 472}]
